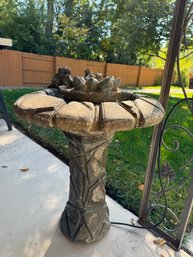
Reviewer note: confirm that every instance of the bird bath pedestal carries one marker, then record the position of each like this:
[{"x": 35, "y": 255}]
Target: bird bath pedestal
[
  {"x": 86, "y": 216},
  {"x": 89, "y": 110}
]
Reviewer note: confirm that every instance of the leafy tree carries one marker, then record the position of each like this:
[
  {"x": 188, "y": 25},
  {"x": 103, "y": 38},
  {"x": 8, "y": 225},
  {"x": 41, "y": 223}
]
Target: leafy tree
[
  {"x": 90, "y": 27},
  {"x": 7, "y": 12},
  {"x": 140, "y": 29},
  {"x": 50, "y": 18},
  {"x": 124, "y": 31},
  {"x": 68, "y": 37},
  {"x": 96, "y": 17},
  {"x": 186, "y": 51},
  {"x": 25, "y": 25}
]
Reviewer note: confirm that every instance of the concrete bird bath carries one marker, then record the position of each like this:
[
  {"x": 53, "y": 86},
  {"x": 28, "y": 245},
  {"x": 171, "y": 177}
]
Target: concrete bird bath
[{"x": 89, "y": 110}]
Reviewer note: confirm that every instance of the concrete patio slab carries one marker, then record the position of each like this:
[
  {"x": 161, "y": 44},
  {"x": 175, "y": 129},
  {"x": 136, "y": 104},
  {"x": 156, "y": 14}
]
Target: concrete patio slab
[{"x": 34, "y": 188}]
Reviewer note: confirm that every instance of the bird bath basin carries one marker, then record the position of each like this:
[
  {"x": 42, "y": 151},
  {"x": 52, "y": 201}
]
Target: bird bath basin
[{"x": 89, "y": 110}]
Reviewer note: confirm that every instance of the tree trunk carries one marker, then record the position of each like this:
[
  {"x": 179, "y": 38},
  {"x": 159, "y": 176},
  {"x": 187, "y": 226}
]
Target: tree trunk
[
  {"x": 50, "y": 17},
  {"x": 69, "y": 7}
]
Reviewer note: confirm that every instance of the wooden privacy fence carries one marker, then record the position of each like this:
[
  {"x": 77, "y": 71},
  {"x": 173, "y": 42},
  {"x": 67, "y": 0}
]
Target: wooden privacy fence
[{"x": 19, "y": 69}]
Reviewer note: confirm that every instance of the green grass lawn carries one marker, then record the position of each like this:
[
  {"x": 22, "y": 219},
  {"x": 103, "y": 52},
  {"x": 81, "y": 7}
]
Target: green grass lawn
[
  {"x": 159, "y": 87},
  {"x": 128, "y": 157},
  {"x": 128, "y": 154}
]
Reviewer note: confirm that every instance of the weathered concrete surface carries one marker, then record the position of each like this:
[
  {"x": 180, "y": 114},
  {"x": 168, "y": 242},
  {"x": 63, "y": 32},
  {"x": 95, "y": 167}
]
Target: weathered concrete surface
[
  {"x": 32, "y": 202},
  {"x": 189, "y": 241},
  {"x": 86, "y": 215},
  {"x": 84, "y": 117},
  {"x": 90, "y": 126}
]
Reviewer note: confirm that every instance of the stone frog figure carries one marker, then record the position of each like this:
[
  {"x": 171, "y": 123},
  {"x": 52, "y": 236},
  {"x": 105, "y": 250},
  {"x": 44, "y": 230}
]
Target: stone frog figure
[
  {"x": 62, "y": 78},
  {"x": 94, "y": 82},
  {"x": 91, "y": 82}
]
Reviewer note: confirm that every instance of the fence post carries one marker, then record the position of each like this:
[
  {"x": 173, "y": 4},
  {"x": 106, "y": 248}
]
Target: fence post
[
  {"x": 55, "y": 65},
  {"x": 138, "y": 76},
  {"x": 105, "y": 69}
]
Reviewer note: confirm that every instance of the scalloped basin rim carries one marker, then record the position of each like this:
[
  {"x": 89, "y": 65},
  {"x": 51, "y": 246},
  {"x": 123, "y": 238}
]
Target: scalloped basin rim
[{"x": 87, "y": 117}]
